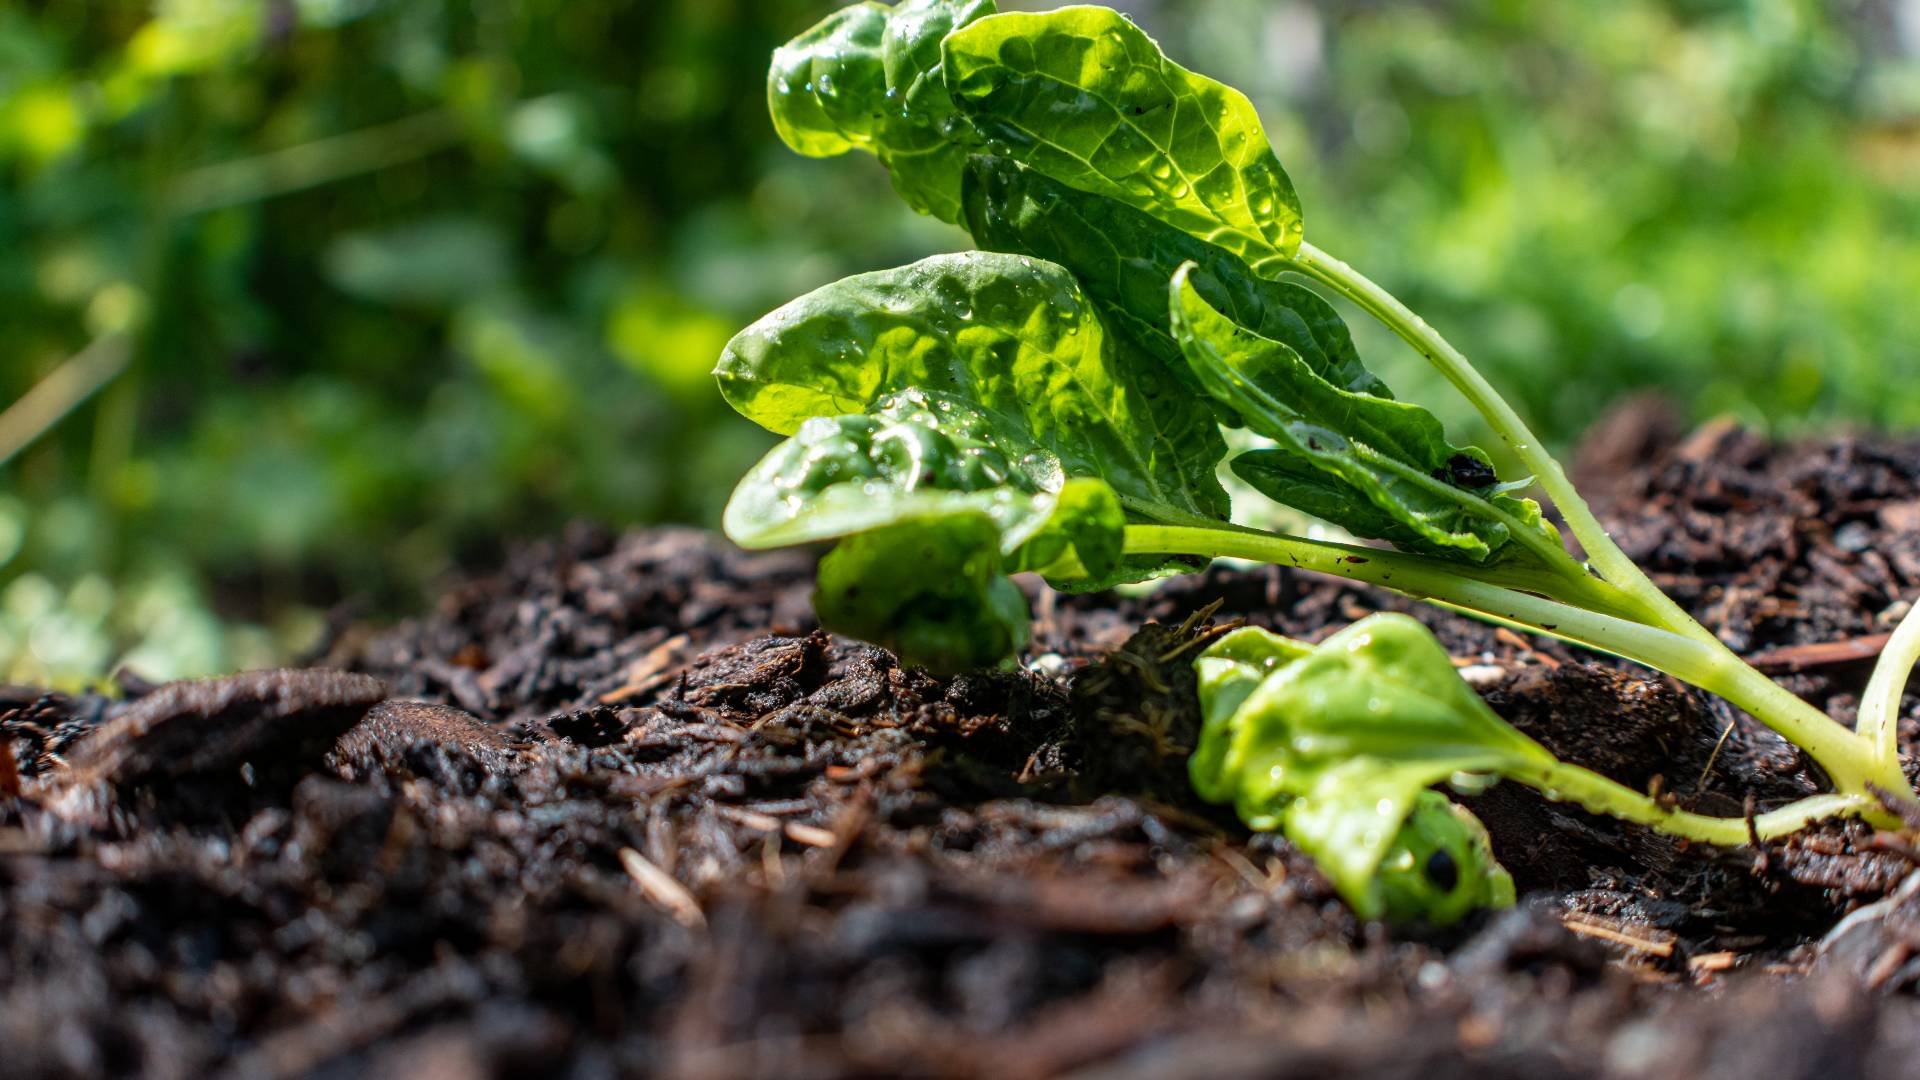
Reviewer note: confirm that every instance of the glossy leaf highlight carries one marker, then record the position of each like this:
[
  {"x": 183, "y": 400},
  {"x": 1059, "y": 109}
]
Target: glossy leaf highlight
[
  {"x": 869, "y": 77},
  {"x": 1085, "y": 96},
  {"x": 1011, "y": 338}
]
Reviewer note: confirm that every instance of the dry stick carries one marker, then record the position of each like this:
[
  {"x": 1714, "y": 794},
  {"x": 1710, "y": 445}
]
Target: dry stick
[
  {"x": 72, "y": 383},
  {"x": 1879, "y": 720},
  {"x": 308, "y": 165},
  {"x": 662, "y": 888}
]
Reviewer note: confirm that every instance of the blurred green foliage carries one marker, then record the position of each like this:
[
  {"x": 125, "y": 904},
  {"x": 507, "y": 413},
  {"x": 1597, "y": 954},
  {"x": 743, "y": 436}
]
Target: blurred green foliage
[{"x": 375, "y": 286}]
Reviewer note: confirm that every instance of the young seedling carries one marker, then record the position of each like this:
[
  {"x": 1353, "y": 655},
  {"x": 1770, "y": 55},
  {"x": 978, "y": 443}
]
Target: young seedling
[{"x": 1053, "y": 403}]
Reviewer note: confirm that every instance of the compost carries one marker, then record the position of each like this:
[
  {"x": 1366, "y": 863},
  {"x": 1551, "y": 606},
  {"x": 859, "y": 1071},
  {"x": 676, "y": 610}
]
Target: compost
[{"x": 620, "y": 808}]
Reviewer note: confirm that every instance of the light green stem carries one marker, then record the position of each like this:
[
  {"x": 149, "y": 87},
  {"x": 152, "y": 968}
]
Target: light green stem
[
  {"x": 1418, "y": 575},
  {"x": 1586, "y": 788},
  {"x": 1852, "y": 762},
  {"x": 1879, "y": 722},
  {"x": 1614, "y": 565},
  {"x": 1848, "y": 760}
]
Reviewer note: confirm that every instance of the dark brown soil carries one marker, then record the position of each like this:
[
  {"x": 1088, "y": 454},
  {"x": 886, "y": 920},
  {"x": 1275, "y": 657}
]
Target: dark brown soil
[{"x": 621, "y": 810}]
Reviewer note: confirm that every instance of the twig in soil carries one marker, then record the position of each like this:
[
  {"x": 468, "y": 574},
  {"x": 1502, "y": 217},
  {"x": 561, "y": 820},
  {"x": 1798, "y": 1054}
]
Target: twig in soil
[
  {"x": 758, "y": 822},
  {"x": 661, "y": 887},
  {"x": 1199, "y": 617},
  {"x": 648, "y": 673},
  {"x": 1888, "y": 963},
  {"x": 807, "y": 835},
  {"x": 1243, "y": 868},
  {"x": 1712, "y": 963},
  {"x": 1822, "y": 653},
  {"x": 1524, "y": 647},
  {"x": 1700, "y": 785},
  {"x": 9, "y": 772},
  {"x": 810, "y": 835},
  {"x": 1652, "y": 942},
  {"x": 1897, "y": 844},
  {"x": 1197, "y": 638},
  {"x": 1148, "y": 677}
]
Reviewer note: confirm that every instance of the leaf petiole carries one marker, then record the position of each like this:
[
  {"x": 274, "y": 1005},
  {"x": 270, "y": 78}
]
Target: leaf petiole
[
  {"x": 1880, "y": 703},
  {"x": 1849, "y": 760},
  {"x": 1613, "y": 564},
  {"x": 1560, "y": 781}
]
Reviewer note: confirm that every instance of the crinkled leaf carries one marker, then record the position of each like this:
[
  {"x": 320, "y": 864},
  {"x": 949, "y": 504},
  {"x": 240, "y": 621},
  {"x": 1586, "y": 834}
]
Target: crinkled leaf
[
  {"x": 1441, "y": 866},
  {"x": 1012, "y": 339},
  {"x": 975, "y": 388},
  {"x": 931, "y": 481},
  {"x": 869, "y": 77},
  {"x": 1376, "y": 467},
  {"x": 911, "y": 50},
  {"x": 827, "y": 88},
  {"x": 1124, "y": 257},
  {"x": 917, "y": 457},
  {"x": 1085, "y": 96},
  {"x": 932, "y": 584},
  {"x": 1079, "y": 546},
  {"x": 1337, "y": 746}
]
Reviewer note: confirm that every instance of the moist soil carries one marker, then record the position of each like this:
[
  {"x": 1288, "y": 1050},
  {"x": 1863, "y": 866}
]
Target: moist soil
[{"x": 621, "y": 809}]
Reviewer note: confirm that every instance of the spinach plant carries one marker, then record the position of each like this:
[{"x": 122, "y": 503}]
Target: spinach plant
[{"x": 1053, "y": 403}]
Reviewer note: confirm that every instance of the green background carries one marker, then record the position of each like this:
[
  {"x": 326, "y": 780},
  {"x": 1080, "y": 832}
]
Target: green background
[{"x": 375, "y": 287}]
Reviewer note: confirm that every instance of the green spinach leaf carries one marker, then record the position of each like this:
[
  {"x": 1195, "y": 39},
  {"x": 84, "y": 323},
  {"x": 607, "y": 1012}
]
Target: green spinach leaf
[
  {"x": 827, "y": 88},
  {"x": 935, "y": 513},
  {"x": 1015, "y": 341},
  {"x": 1085, "y": 96},
  {"x": 971, "y": 413},
  {"x": 1337, "y": 748},
  {"x": 1123, "y": 258},
  {"x": 869, "y": 77},
  {"x": 1376, "y": 467},
  {"x": 933, "y": 590},
  {"x": 919, "y": 457}
]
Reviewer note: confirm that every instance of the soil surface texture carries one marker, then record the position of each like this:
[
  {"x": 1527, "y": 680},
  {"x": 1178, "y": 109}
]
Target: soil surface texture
[{"x": 621, "y": 809}]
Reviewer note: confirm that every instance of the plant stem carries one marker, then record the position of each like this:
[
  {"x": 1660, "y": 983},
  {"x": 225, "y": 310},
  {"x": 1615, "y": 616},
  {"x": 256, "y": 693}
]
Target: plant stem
[
  {"x": 1613, "y": 563},
  {"x": 1417, "y": 575},
  {"x": 1847, "y": 759},
  {"x": 1543, "y": 547},
  {"x": 296, "y": 168},
  {"x": 1586, "y": 788},
  {"x": 1879, "y": 722},
  {"x": 1851, "y": 762},
  {"x": 1425, "y": 579}
]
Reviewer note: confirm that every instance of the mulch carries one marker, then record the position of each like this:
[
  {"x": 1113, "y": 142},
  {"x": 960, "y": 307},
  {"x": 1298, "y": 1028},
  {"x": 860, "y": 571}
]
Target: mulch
[{"x": 620, "y": 808}]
